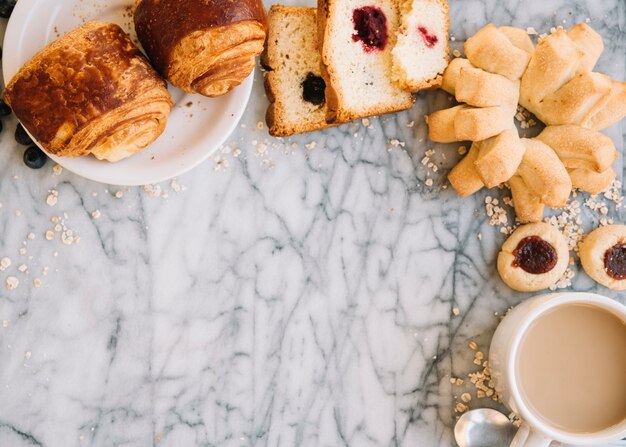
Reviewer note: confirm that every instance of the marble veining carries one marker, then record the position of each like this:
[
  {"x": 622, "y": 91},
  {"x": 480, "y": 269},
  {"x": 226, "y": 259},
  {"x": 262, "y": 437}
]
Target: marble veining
[{"x": 297, "y": 292}]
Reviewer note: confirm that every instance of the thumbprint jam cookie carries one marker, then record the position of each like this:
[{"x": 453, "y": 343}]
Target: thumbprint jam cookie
[
  {"x": 533, "y": 258},
  {"x": 603, "y": 255}
]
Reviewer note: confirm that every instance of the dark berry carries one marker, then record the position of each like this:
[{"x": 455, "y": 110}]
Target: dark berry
[
  {"x": 6, "y": 8},
  {"x": 22, "y": 137},
  {"x": 5, "y": 110},
  {"x": 313, "y": 88},
  {"x": 430, "y": 40},
  {"x": 35, "y": 158},
  {"x": 370, "y": 26}
]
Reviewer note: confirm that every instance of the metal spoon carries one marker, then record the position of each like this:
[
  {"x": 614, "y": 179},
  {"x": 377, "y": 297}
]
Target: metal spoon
[
  {"x": 490, "y": 428},
  {"x": 484, "y": 428}
]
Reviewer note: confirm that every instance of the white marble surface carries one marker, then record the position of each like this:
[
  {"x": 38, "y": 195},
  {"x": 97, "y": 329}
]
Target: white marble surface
[{"x": 291, "y": 298}]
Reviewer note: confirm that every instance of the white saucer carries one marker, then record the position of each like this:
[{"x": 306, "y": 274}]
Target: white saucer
[{"x": 197, "y": 127}]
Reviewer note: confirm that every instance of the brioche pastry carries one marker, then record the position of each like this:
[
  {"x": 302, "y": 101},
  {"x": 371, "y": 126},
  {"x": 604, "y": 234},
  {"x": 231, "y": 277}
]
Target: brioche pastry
[
  {"x": 544, "y": 174},
  {"x": 202, "y": 46},
  {"x": 491, "y": 50},
  {"x": 557, "y": 84},
  {"x": 464, "y": 177},
  {"x": 90, "y": 92},
  {"x": 527, "y": 204},
  {"x": 533, "y": 258},
  {"x": 499, "y": 157},
  {"x": 591, "y": 181},
  {"x": 578, "y": 147},
  {"x": 603, "y": 256}
]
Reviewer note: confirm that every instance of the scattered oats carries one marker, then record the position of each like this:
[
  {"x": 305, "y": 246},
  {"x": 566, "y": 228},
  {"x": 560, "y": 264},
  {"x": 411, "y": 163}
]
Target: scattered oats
[
  {"x": 54, "y": 219},
  {"x": 260, "y": 125},
  {"x": 366, "y": 122},
  {"x": 57, "y": 169},
  {"x": 37, "y": 282},
  {"x": 23, "y": 268},
  {"x": 5, "y": 263},
  {"x": 119, "y": 194},
  {"x": 460, "y": 407},
  {"x": 456, "y": 53},
  {"x": 310, "y": 146},
  {"x": 395, "y": 143},
  {"x": 22, "y": 251},
  {"x": 58, "y": 228},
  {"x": 49, "y": 235},
  {"x": 236, "y": 152},
  {"x": 261, "y": 148},
  {"x": 473, "y": 345},
  {"x": 67, "y": 237},
  {"x": 27, "y": 355},
  {"x": 12, "y": 283},
  {"x": 614, "y": 193},
  {"x": 479, "y": 236},
  {"x": 462, "y": 150},
  {"x": 153, "y": 190},
  {"x": 480, "y": 394},
  {"x": 95, "y": 215},
  {"x": 425, "y": 161},
  {"x": 553, "y": 30},
  {"x": 53, "y": 197},
  {"x": 466, "y": 397},
  {"x": 18, "y": 213},
  {"x": 452, "y": 380},
  {"x": 531, "y": 31},
  {"x": 453, "y": 39},
  {"x": 177, "y": 187},
  {"x": 587, "y": 20},
  {"x": 411, "y": 124},
  {"x": 5, "y": 323},
  {"x": 429, "y": 182},
  {"x": 456, "y": 311},
  {"x": 565, "y": 281},
  {"x": 459, "y": 382},
  {"x": 479, "y": 355}
]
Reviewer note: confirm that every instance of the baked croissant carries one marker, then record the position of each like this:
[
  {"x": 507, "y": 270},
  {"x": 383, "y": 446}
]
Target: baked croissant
[
  {"x": 91, "y": 92},
  {"x": 202, "y": 46}
]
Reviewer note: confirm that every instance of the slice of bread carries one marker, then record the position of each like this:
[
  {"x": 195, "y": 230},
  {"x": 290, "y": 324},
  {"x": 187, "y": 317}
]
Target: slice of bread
[
  {"x": 293, "y": 83},
  {"x": 357, "y": 37},
  {"x": 422, "y": 51}
]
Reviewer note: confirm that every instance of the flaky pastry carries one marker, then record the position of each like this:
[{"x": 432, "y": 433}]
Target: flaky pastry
[
  {"x": 91, "y": 92},
  {"x": 202, "y": 46}
]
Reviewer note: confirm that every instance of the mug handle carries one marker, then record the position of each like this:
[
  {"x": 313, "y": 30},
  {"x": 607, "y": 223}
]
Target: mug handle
[{"x": 527, "y": 437}]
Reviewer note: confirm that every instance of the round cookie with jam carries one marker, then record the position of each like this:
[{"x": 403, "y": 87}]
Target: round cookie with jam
[
  {"x": 603, "y": 255},
  {"x": 533, "y": 258}
]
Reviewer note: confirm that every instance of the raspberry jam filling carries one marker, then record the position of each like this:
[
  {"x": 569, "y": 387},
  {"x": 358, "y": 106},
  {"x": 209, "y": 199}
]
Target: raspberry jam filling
[
  {"x": 615, "y": 261},
  {"x": 430, "y": 40},
  {"x": 313, "y": 88},
  {"x": 534, "y": 255},
  {"x": 370, "y": 26}
]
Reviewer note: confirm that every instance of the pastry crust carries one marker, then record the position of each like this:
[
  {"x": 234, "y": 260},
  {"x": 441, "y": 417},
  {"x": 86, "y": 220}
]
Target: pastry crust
[
  {"x": 91, "y": 91},
  {"x": 593, "y": 250},
  {"x": 493, "y": 51},
  {"x": 464, "y": 177},
  {"x": 578, "y": 147},
  {"x": 478, "y": 124},
  {"x": 479, "y": 88},
  {"x": 202, "y": 46},
  {"x": 544, "y": 174},
  {"x": 528, "y": 206},
  {"x": 452, "y": 74},
  {"x": 499, "y": 157},
  {"x": 592, "y": 181},
  {"x": 441, "y": 124},
  {"x": 516, "y": 277}
]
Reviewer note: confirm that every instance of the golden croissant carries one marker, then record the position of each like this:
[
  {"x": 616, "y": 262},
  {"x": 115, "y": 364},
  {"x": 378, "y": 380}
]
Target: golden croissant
[
  {"x": 91, "y": 92},
  {"x": 202, "y": 46}
]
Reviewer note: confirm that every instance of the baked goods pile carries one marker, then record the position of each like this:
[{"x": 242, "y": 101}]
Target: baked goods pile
[
  {"x": 366, "y": 59},
  {"x": 92, "y": 91},
  {"x": 554, "y": 81}
]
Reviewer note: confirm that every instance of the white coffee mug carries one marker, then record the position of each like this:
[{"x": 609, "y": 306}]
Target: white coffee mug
[{"x": 535, "y": 431}]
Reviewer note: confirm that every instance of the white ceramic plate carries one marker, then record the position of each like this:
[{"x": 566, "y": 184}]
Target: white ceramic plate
[{"x": 197, "y": 127}]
